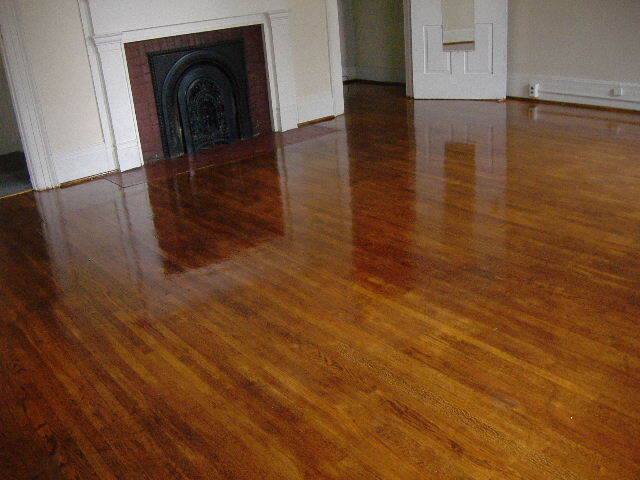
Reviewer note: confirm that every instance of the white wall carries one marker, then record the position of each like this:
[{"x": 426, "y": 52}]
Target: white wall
[
  {"x": 9, "y": 133},
  {"x": 581, "y": 49},
  {"x": 374, "y": 39}
]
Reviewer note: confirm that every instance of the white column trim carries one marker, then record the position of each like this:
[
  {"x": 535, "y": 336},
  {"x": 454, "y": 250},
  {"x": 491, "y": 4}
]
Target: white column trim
[
  {"x": 335, "y": 56},
  {"x": 101, "y": 94},
  {"x": 26, "y": 101},
  {"x": 282, "y": 81},
  {"x": 122, "y": 116}
]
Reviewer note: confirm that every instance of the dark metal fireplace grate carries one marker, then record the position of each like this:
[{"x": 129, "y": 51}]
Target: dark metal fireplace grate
[{"x": 202, "y": 97}]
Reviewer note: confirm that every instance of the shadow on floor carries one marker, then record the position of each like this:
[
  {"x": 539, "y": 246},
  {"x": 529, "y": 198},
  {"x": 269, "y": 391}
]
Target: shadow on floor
[{"x": 14, "y": 176}]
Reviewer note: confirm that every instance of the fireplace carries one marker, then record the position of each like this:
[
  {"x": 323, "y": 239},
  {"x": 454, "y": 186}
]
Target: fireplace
[
  {"x": 193, "y": 92},
  {"x": 120, "y": 34},
  {"x": 201, "y": 97}
]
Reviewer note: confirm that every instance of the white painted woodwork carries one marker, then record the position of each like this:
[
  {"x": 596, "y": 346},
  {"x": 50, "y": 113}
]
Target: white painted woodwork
[
  {"x": 25, "y": 101},
  {"x": 577, "y": 90},
  {"x": 477, "y": 74},
  {"x": 113, "y": 24},
  {"x": 335, "y": 56}
]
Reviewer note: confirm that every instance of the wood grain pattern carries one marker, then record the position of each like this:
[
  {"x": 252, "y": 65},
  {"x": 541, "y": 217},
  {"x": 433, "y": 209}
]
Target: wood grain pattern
[{"x": 427, "y": 290}]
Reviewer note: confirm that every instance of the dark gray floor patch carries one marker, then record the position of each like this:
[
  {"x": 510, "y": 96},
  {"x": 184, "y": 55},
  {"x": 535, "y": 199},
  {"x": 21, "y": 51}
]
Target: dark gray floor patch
[
  {"x": 11, "y": 183},
  {"x": 14, "y": 177}
]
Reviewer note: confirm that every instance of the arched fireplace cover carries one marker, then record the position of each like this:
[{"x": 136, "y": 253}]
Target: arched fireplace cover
[{"x": 201, "y": 96}]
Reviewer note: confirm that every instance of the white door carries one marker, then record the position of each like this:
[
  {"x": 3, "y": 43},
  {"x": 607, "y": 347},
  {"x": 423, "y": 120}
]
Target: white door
[{"x": 477, "y": 74}]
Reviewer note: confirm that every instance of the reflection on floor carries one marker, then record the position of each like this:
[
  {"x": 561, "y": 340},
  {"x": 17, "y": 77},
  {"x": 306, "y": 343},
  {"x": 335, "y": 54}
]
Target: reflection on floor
[
  {"x": 14, "y": 176},
  {"x": 416, "y": 290}
]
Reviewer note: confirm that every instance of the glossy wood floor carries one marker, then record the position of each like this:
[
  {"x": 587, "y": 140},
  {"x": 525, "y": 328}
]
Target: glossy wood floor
[{"x": 417, "y": 290}]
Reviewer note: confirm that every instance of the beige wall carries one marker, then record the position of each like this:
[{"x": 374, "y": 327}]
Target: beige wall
[
  {"x": 375, "y": 40},
  {"x": 9, "y": 133},
  {"x": 458, "y": 14},
  {"x": 53, "y": 37},
  {"x": 379, "y": 33},
  {"x": 310, "y": 47},
  {"x": 589, "y": 39}
]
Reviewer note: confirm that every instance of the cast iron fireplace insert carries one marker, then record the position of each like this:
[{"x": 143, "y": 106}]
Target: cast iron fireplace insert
[{"x": 201, "y": 96}]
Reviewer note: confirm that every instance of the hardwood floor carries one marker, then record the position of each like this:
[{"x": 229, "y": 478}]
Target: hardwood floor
[{"x": 417, "y": 290}]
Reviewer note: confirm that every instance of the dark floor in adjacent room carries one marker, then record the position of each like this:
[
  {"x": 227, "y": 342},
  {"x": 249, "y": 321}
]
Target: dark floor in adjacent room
[
  {"x": 416, "y": 290},
  {"x": 14, "y": 176}
]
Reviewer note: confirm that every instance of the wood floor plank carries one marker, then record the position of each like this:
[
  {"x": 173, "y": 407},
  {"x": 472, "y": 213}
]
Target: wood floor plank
[{"x": 417, "y": 289}]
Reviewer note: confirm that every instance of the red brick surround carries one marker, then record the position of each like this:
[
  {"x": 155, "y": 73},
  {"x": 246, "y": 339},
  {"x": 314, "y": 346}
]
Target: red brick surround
[{"x": 142, "y": 84}]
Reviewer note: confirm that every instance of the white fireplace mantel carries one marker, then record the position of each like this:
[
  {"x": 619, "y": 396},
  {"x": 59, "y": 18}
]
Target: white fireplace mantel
[{"x": 110, "y": 25}]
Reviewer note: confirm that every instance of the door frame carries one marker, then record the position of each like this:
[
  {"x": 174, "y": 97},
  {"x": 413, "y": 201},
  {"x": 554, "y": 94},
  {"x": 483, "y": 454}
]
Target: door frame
[
  {"x": 25, "y": 100},
  {"x": 335, "y": 54},
  {"x": 408, "y": 48}
]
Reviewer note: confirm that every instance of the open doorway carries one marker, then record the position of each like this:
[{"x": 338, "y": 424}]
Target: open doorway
[
  {"x": 440, "y": 49},
  {"x": 14, "y": 175},
  {"x": 372, "y": 40}
]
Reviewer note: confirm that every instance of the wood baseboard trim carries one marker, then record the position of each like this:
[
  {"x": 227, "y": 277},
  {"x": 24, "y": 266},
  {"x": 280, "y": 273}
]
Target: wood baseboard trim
[
  {"x": 16, "y": 193},
  {"x": 85, "y": 179},
  {"x": 317, "y": 120},
  {"x": 573, "y": 104}
]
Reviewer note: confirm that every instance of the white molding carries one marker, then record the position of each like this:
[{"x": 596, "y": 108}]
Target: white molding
[
  {"x": 478, "y": 74},
  {"x": 101, "y": 94},
  {"x": 282, "y": 80},
  {"x": 199, "y": 26},
  {"x": 576, "y": 90},
  {"x": 86, "y": 162},
  {"x": 313, "y": 107},
  {"x": 335, "y": 56},
  {"x": 114, "y": 79},
  {"x": 112, "y": 82},
  {"x": 26, "y": 102}
]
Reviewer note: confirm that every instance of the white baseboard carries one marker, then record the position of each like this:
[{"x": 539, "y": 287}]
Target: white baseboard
[
  {"x": 378, "y": 74},
  {"x": 576, "y": 90},
  {"x": 288, "y": 117},
  {"x": 129, "y": 155},
  {"x": 313, "y": 107},
  {"x": 82, "y": 163}
]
